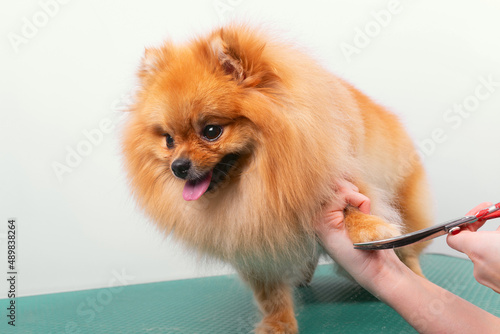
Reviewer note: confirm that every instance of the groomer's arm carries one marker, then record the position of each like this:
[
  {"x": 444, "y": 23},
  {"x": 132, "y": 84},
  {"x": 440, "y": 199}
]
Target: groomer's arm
[
  {"x": 424, "y": 305},
  {"x": 429, "y": 308}
]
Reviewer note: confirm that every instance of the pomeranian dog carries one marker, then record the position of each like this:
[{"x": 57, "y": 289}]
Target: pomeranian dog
[{"x": 233, "y": 144}]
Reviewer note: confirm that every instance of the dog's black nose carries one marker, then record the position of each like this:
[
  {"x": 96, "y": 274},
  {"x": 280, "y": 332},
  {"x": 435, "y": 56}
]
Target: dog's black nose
[{"x": 180, "y": 167}]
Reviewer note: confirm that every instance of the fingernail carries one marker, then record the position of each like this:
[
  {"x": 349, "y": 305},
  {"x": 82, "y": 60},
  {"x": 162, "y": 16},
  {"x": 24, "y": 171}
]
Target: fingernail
[{"x": 455, "y": 230}]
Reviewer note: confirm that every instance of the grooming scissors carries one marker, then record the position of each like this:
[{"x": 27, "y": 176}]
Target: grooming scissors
[{"x": 452, "y": 226}]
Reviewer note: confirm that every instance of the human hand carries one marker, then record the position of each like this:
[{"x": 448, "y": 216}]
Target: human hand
[
  {"x": 483, "y": 248},
  {"x": 386, "y": 277},
  {"x": 368, "y": 268},
  {"x": 348, "y": 194}
]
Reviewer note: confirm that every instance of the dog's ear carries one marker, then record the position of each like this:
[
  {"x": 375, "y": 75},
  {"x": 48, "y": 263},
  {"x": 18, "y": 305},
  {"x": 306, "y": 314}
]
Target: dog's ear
[
  {"x": 241, "y": 55},
  {"x": 228, "y": 59},
  {"x": 149, "y": 61},
  {"x": 153, "y": 60}
]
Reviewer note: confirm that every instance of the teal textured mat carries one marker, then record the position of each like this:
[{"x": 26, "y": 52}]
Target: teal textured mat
[{"x": 222, "y": 304}]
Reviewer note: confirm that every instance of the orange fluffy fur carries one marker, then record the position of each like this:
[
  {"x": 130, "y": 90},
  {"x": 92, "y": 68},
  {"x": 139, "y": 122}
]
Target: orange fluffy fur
[{"x": 296, "y": 128}]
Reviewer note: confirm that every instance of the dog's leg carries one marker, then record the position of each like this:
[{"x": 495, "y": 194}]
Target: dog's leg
[
  {"x": 308, "y": 272},
  {"x": 415, "y": 207},
  {"x": 275, "y": 301}
]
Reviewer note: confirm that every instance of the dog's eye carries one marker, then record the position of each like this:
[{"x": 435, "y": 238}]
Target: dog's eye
[
  {"x": 212, "y": 132},
  {"x": 169, "y": 140}
]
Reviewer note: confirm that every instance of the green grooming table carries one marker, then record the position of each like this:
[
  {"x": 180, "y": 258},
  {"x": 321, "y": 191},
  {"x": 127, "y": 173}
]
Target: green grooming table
[{"x": 222, "y": 304}]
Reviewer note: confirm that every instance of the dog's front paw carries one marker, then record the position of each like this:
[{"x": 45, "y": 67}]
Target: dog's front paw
[{"x": 365, "y": 228}]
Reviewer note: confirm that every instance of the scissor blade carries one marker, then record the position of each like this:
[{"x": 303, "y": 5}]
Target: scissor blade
[{"x": 421, "y": 235}]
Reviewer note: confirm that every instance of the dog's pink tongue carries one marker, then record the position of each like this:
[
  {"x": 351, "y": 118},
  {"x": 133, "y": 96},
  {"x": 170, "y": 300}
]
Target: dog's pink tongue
[{"x": 194, "y": 189}]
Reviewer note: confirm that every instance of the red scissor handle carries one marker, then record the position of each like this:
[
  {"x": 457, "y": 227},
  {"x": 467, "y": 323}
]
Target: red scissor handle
[{"x": 489, "y": 213}]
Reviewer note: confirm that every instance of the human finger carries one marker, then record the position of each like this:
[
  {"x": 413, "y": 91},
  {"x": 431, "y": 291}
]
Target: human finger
[
  {"x": 462, "y": 241},
  {"x": 479, "y": 207},
  {"x": 359, "y": 201},
  {"x": 475, "y": 226}
]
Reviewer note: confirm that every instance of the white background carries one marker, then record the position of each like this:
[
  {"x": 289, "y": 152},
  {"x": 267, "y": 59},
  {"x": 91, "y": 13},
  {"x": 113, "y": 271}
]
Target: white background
[{"x": 74, "y": 73}]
